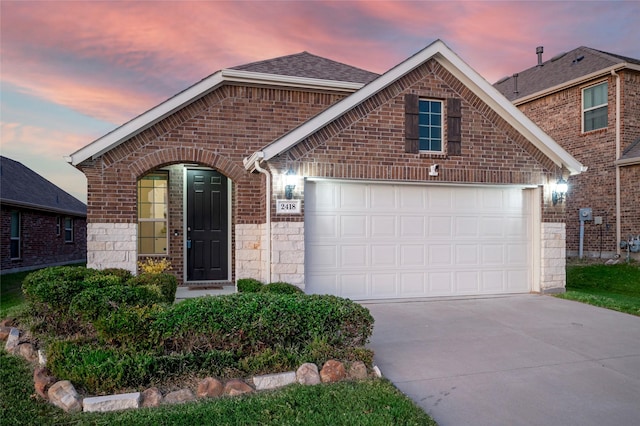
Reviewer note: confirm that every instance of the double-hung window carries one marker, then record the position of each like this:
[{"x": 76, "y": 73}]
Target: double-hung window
[
  {"x": 153, "y": 193},
  {"x": 594, "y": 107},
  {"x": 430, "y": 125},
  {"x": 68, "y": 229},
  {"x": 15, "y": 234}
]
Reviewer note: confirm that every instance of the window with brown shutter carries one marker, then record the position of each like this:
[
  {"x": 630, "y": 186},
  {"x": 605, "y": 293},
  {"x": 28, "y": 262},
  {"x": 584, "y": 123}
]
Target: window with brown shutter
[
  {"x": 411, "y": 123},
  {"x": 454, "y": 121}
]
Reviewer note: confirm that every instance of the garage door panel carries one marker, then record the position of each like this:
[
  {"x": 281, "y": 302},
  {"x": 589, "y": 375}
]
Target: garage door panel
[
  {"x": 353, "y": 197},
  {"x": 394, "y": 240},
  {"x": 412, "y": 227},
  {"x": 384, "y": 285},
  {"x": 323, "y": 226},
  {"x": 440, "y": 226},
  {"x": 440, "y": 254},
  {"x": 412, "y": 284},
  {"x": 383, "y": 227},
  {"x": 384, "y": 256},
  {"x": 354, "y": 256},
  {"x": 353, "y": 226}
]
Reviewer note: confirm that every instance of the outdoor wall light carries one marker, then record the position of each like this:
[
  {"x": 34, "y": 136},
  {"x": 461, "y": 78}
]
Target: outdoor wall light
[
  {"x": 290, "y": 179},
  {"x": 559, "y": 191}
]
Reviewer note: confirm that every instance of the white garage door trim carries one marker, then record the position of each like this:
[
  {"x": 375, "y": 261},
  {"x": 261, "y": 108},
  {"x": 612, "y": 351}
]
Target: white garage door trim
[{"x": 380, "y": 240}]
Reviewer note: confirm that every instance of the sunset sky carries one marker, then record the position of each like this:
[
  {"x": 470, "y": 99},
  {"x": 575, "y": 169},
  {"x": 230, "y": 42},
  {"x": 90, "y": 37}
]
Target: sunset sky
[{"x": 73, "y": 71}]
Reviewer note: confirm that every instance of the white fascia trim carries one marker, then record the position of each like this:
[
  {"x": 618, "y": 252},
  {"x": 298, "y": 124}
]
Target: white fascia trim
[
  {"x": 628, "y": 162},
  {"x": 192, "y": 94},
  {"x": 250, "y": 162},
  {"x": 248, "y": 77},
  {"x": 516, "y": 118},
  {"x": 576, "y": 81},
  {"x": 309, "y": 127}
]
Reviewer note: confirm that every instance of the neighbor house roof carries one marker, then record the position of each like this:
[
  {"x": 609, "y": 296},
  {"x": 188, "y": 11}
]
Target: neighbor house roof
[
  {"x": 562, "y": 70},
  {"x": 22, "y": 187},
  {"x": 305, "y": 71},
  {"x": 440, "y": 52},
  {"x": 631, "y": 155}
]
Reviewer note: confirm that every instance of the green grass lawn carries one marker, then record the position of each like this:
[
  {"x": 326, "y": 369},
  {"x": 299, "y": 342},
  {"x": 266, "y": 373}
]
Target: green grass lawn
[
  {"x": 614, "y": 287},
  {"x": 11, "y": 292},
  {"x": 372, "y": 402}
]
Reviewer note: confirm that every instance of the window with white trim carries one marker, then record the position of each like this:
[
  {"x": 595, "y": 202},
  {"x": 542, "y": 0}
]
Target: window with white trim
[
  {"x": 68, "y": 229},
  {"x": 430, "y": 125},
  {"x": 153, "y": 200},
  {"x": 595, "y": 107},
  {"x": 15, "y": 234},
  {"x": 58, "y": 225}
]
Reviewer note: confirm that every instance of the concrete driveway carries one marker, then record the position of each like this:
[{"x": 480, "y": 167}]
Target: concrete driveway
[{"x": 514, "y": 360}]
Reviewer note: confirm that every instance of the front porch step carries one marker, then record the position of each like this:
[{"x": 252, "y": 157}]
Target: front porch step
[{"x": 204, "y": 289}]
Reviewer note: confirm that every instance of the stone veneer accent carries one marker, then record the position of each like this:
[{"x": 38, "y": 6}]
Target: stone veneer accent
[
  {"x": 112, "y": 245},
  {"x": 553, "y": 258},
  {"x": 287, "y": 252}
]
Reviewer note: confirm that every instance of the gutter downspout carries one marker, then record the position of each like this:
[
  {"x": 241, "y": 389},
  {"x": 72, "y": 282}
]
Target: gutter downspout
[
  {"x": 618, "y": 149},
  {"x": 268, "y": 215}
]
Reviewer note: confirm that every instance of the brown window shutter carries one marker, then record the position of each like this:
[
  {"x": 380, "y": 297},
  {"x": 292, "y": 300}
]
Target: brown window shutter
[
  {"x": 411, "y": 130},
  {"x": 454, "y": 120}
]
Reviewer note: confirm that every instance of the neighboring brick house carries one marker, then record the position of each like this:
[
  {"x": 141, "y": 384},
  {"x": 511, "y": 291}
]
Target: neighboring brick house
[
  {"x": 589, "y": 102},
  {"x": 42, "y": 225},
  {"x": 421, "y": 182}
]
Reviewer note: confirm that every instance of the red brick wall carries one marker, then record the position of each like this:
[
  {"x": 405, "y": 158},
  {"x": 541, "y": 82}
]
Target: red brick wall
[
  {"x": 40, "y": 246},
  {"x": 560, "y": 115}
]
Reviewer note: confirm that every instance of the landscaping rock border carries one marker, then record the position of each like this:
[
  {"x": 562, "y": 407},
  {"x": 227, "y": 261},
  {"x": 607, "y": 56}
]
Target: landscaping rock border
[{"x": 63, "y": 395}]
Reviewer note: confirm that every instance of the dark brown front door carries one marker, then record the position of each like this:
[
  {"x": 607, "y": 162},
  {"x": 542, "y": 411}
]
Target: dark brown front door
[{"x": 207, "y": 226}]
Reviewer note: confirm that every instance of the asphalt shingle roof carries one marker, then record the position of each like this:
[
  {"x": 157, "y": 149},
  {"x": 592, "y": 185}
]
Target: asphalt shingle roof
[
  {"x": 632, "y": 151},
  {"x": 305, "y": 64},
  {"x": 559, "y": 69},
  {"x": 21, "y": 186}
]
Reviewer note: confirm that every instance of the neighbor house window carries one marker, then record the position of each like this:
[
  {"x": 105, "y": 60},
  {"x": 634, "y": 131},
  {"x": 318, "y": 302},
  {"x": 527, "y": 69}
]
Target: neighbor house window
[
  {"x": 153, "y": 193},
  {"x": 58, "y": 225},
  {"x": 68, "y": 230},
  {"x": 594, "y": 107},
  {"x": 430, "y": 125},
  {"x": 15, "y": 235}
]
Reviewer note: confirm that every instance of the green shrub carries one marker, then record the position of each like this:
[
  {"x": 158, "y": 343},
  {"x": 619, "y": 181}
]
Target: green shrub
[
  {"x": 96, "y": 302},
  {"x": 249, "y": 322},
  {"x": 281, "y": 288},
  {"x": 249, "y": 285},
  {"x": 165, "y": 285},
  {"x": 56, "y": 286},
  {"x": 124, "y": 274},
  {"x": 130, "y": 327},
  {"x": 269, "y": 360}
]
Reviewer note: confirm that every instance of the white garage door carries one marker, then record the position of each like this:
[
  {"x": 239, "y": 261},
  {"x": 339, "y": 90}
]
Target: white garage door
[{"x": 378, "y": 241}]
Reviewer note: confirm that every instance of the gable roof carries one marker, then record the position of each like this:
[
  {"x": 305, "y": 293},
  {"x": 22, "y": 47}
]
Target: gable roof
[
  {"x": 440, "y": 52},
  {"x": 305, "y": 64},
  {"x": 22, "y": 187},
  {"x": 301, "y": 74},
  {"x": 565, "y": 69}
]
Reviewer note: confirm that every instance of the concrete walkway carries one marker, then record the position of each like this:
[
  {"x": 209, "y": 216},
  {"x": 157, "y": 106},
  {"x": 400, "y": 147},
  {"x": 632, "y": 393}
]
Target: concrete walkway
[{"x": 515, "y": 360}]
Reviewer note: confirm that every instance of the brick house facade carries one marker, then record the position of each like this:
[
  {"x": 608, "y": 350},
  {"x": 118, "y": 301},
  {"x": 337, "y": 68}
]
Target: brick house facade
[
  {"x": 41, "y": 224},
  {"x": 551, "y": 94},
  {"x": 239, "y": 133}
]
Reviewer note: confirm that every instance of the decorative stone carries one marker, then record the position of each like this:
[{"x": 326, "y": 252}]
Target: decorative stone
[
  {"x": 12, "y": 340},
  {"x": 358, "y": 371},
  {"x": 377, "y": 371},
  {"x": 42, "y": 381},
  {"x": 4, "y": 333},
  {"x": 272, "y": 381},
  {"x": 179, "y": 397},
  {"x": 42, "y": 358},
  {"x": 236, "y": 387},
  {"x": 151, "y": 398},
  {"x": 308, "y": 374},
  {"x": 112, "y": 402},
  {"x": 63, "y": 395},
  {"x": 332, "y": 371},
  {"x": 26, "y": 351},
  {"x": 209, "y": 388},
  {"x": 8, "y": 322}
]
